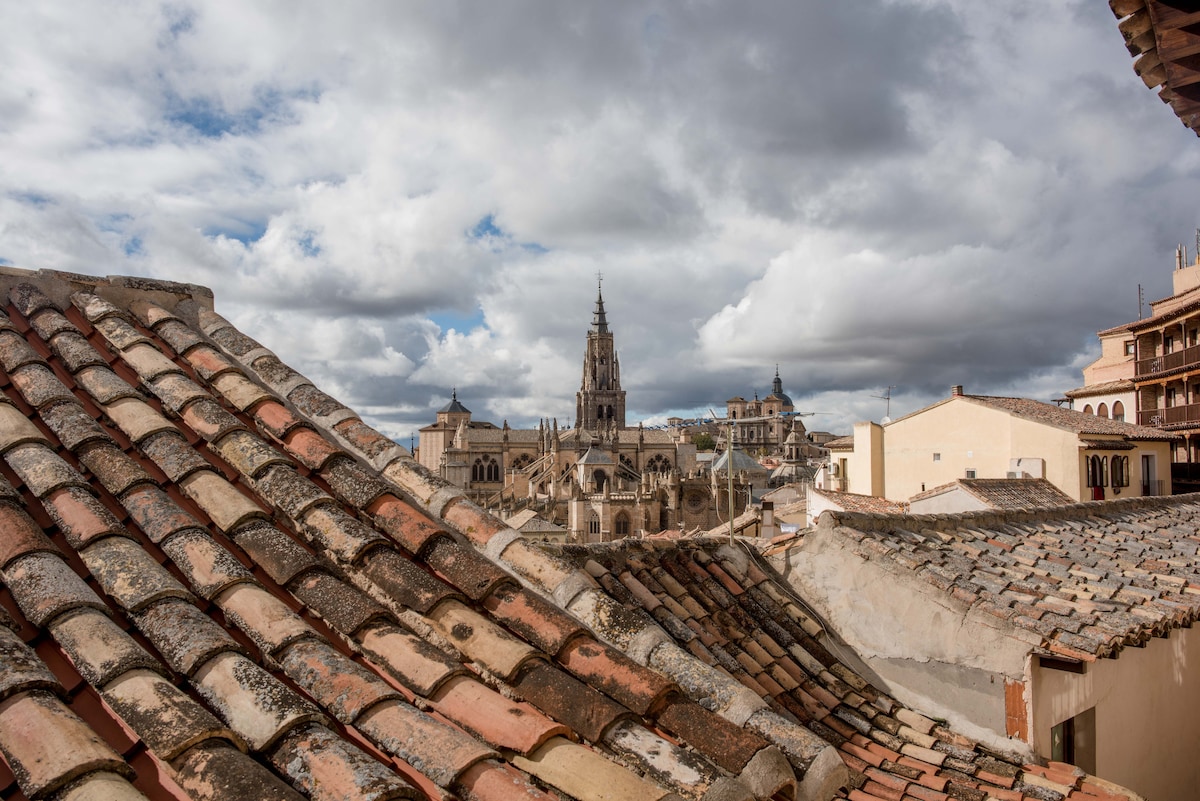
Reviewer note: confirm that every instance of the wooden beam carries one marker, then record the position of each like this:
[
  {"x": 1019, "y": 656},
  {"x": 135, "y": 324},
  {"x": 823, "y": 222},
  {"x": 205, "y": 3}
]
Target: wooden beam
[
  {"x": 1184, "y": 72},
  {"x": 1123, "y": 8},
  {"x": 1150, "y": 69},
  {"x": 1177, "y": 43},
  {"x": 1169, "y": 15}
]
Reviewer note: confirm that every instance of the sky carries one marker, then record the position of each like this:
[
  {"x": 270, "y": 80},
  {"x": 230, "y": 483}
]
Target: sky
[{"x": 401, "y": 199}]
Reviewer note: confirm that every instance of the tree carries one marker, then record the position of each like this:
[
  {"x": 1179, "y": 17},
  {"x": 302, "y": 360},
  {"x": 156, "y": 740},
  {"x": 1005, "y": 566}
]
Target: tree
[{"x": 703, "y": 441}]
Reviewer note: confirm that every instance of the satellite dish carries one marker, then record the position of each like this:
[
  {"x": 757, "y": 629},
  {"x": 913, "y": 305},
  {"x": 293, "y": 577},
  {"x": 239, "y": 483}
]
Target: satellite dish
[{"x": 885, "y": 421}]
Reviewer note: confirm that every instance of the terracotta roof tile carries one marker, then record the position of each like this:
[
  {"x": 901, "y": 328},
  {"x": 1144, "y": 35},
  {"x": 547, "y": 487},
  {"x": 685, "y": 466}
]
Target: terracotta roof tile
[
  {"x": 319, "y": 762},
  {"x": 440, "y": 752},
  {"x": 129, "y": 575},
  {"x": 98, "y": 648},
  {"x": 185, "y": 636},
  {"x": 47, "y": 746},
  {"x": 44, "y": 586},
  {"x": 215, "y": 770}
]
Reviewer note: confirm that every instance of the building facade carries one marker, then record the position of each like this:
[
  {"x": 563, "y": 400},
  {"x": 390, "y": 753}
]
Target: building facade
[
  {"x": 978, "y": 436},
  {"x": 1149, "y": 371}
]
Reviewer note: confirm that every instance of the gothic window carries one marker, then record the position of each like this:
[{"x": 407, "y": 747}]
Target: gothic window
[
  {"x": 658, "y": 464},
  {"x": 485, "y": 468},
  {"x": 593, "y": 524},
  {"x": 521, "y": 461},
  {"x": 601, "y": 479},
  {"x": 621, "y": 525},
  {"x": 627, "y": 462}
]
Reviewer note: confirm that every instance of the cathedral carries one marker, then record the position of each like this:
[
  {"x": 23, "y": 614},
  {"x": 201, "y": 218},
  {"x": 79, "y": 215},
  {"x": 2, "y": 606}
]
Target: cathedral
[{"x": 598, "y": 479}]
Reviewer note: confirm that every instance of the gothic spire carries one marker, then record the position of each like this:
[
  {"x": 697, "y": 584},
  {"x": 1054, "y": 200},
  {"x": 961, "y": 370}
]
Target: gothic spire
[
  {"x": 599, "y": 321},
  {"x": 777, "y": 387}
]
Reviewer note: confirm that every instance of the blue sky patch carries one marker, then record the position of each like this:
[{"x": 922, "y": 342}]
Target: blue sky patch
[
  {"x": 309, "y": 245},
  {"x": 245, "y": 231},
  {"x": 450, "y": 318},
  {"x": 497, "y": 238},
  {"x": 133, "y": 246},
  {"x": 31, "y": 198}
]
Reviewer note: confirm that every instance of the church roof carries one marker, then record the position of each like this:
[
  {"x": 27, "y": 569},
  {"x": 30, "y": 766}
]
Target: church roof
[
  {"x": 595, "y": 456},
  {"x": 741, "y": 462},
  {"x": 454, "y": 407}
]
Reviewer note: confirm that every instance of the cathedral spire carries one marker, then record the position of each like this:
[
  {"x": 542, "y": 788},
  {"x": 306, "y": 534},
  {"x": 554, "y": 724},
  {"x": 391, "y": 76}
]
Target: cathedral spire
[
  {"x": 777, "y": 387},
  {"x": 599, "y": 321}
]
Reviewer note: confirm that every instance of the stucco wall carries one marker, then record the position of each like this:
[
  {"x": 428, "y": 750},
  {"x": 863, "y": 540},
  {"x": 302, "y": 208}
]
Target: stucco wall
[
  {"x": 964, "y": 435},
  {"x": 1147, "y": 703},
  {"x": 955, "y": 499},
  {"x": 929, "y": 650}
]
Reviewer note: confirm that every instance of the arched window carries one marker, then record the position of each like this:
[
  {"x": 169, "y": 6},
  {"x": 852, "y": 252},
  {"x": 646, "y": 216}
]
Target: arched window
[
  {"x": 1118, "y": 411},
  {"x": 658, "y": 464},
  {"x": 601, "y": 479},
  {"x": 485, "y": 468},
  {"x": 621, "y": 525},
  {"x": 521, "y": 461},
  {"x": 593, "y": 523},
  {"x": 1087, "y": 409},
  {"x": 1102, "y": 410}
]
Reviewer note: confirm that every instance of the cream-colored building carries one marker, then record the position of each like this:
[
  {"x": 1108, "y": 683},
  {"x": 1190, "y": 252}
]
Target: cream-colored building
[{"x": 978, "y": 436}]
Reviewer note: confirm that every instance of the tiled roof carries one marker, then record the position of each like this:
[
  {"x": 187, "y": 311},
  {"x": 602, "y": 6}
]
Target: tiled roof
[
  {"x": 1070, "y": 419},
  {"x": 1090, "y": 578},
  {"x": 853, "y": 502},
  {"x": 218, "y": 582},
  {"x": 1005, "y": 493},
  {"x": 840, "y": 442},
  {"x": 1106, "y": 388},
  {"x": 726, "y": 607},
  {"x": 625, "y": 436},
  {"x": 498, "y": 435}
]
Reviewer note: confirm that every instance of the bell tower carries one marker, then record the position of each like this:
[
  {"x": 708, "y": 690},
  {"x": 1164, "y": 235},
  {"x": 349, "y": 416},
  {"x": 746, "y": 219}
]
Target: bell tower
[{"x": 600, "y": 402}]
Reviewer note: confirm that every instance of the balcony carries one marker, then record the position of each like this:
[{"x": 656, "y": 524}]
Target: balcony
[
  {"x": 1173, "y": 417},
  {"x": 1188, "y": 357}
]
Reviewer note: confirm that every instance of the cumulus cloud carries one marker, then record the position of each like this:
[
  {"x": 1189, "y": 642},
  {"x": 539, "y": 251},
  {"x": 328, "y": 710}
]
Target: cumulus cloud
[{"x": 402, "y": 199}]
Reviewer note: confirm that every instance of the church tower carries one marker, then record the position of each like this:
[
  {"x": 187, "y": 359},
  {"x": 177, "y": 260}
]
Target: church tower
[{"x": 600, "y": 400}]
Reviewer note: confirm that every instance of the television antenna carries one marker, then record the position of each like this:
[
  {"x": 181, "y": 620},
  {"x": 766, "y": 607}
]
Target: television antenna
[{"x": 887, "y": 396}]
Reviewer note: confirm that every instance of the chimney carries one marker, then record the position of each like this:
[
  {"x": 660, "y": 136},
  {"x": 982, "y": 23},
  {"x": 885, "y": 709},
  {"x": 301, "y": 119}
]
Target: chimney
[{"x": 956, "y": 390}]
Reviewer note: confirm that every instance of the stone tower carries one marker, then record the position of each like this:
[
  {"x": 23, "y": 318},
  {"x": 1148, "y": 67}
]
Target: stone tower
[{"x": 600, "y": 402}]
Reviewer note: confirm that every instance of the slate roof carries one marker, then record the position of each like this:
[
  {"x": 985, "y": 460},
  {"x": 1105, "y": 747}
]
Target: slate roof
[
  {"x": 218, "y": 582},
  {"x": 726, "y": 606},
  {"x": 1005, "y": 493},
  {"x": 1089, "y": 578}
]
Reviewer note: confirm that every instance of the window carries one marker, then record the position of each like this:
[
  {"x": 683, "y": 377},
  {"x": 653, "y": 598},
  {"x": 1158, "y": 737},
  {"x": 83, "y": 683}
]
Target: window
[
  {"x": 1102, "y": 410},
  {"x": 1120, "y": 471},
  {"x": 658, "y": 464},
  {"x": 1074, "y": 741},
  {"x": 621, "y": 525},
  {"x": 970, "y": 473},
  {"x": 1118, "y": 411},
  {"x": 1087, "y": 409},
  {"x": 593, "y": 524},
  {"x": 1097, "y": 471},
  {"x": 1131, "y": 348},
  {"x": 1168, "y": 343},
  {"x": 937, "y": 457},
  {"x": 485, "y": 468}
]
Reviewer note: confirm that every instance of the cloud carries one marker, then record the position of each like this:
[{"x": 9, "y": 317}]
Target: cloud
[{"x": 401, "y": 199}]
